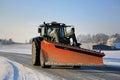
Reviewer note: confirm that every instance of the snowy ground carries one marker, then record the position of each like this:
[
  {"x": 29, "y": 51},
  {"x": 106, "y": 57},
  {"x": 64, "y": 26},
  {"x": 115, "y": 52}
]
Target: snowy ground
[
  {"x": 16, "y": 48},
  {"x": 10, "y": 70},
  {"x": 112, "y": 58}
]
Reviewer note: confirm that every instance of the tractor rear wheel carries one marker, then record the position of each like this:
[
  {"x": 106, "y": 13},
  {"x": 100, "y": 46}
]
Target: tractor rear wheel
[{"x": 35, "y": 54}]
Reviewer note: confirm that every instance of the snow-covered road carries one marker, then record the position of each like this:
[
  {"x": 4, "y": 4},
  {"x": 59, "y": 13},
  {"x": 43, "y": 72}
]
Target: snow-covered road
[{"x": 12, "y": 70}]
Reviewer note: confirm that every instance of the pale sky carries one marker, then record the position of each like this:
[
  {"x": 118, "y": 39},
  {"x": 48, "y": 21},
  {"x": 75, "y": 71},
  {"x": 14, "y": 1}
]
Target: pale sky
[{"x": 19, "y": 19}]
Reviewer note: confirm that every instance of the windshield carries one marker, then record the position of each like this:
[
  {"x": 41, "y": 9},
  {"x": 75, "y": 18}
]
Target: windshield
[{"x": 59, "y": 29}]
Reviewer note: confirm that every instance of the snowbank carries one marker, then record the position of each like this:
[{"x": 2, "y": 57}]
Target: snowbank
[
  {"x": 112, "y": 58},
  {"x": 112, "y": 54},
  {"x": 10, "y": 70}
]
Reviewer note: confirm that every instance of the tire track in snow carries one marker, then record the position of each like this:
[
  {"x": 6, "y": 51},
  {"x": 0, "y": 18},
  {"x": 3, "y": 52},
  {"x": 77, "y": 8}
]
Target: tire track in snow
[{"x": 15, "y": 69}]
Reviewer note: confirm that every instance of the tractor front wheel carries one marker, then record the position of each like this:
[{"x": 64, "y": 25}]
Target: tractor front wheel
[{"x": 42, "y": 61}]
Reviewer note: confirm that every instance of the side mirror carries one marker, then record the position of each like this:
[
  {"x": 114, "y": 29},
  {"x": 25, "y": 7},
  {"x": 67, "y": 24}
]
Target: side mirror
[
  {"x": 73, "y": 29},
  {"x": 39, "y": 30}
]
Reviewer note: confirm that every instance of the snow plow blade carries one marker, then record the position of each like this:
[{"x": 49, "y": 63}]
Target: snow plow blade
[{"x": 66, "y": 55}]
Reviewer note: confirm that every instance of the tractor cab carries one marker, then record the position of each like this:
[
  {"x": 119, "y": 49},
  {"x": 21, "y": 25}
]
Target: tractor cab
[{"x": 58, "y": 33}]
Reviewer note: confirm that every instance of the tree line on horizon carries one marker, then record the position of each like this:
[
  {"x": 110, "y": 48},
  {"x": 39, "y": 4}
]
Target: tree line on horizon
[
  {"x": 81, "y": 38},
  {"x": 5, "y": 41},
  {"x": 97, "y": 38}
]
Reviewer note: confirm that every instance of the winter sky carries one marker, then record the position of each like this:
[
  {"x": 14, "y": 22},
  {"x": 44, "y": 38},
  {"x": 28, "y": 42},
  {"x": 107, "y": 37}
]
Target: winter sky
[{"x": 19, "y": 19}]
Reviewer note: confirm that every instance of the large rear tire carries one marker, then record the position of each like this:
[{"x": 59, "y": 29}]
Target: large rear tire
[{"x": 35, "y": 54}]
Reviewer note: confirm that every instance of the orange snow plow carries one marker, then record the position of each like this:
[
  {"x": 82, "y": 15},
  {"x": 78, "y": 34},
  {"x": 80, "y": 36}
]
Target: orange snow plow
[
  {"x": 58, "y": 54},
  {"x": 54, "y": 47}
]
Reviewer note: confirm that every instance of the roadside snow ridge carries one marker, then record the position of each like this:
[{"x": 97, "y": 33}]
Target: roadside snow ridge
[{"x": 10, "y": 70}]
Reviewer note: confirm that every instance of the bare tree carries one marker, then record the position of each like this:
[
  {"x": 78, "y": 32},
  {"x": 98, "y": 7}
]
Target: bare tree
[
  {"x": 98, "y": 38},
  {"x": 117, "y": 36},
  {"x": 84, "y": 38}
]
